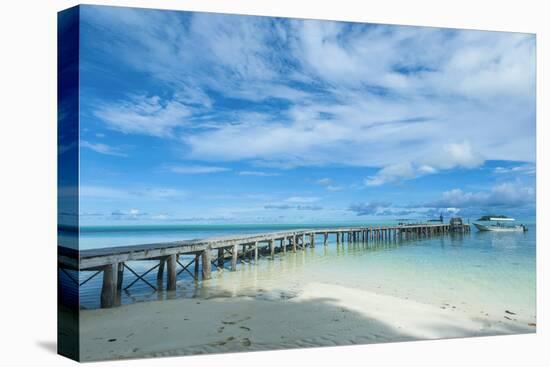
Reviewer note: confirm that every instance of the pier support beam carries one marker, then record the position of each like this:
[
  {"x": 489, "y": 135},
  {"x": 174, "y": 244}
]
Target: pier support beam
[
  {"x": 171, "y": 265},
  {"x": 256, "y": 252},
  {"x": 206, "y": 264},
  {"x": 108, "y": 288},
  {"x": 234, "y": 257},
  {"x": 294, "y": 243},
  {"x": 325, "y": 242}
]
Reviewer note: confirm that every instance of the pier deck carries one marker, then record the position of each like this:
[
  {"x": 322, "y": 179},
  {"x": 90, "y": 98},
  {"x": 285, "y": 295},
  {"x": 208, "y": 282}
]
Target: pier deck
[{"x": 112, "y": 261}]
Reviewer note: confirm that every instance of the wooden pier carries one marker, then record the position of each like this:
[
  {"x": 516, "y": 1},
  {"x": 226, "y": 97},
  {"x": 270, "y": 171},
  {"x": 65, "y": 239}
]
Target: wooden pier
[{"x": 218, "y": 251}]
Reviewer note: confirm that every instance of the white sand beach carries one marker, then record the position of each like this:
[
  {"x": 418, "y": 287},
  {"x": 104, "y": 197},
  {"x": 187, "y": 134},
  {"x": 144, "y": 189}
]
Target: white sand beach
[{"x": 320, "y": 314}]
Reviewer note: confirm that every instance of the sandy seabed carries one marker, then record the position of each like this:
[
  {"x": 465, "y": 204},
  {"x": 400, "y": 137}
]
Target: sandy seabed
[{"x": 319, "y": 315}]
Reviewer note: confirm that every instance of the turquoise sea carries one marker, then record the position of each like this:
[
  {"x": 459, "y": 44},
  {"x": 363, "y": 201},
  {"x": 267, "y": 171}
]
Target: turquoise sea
[{"x": 482, "y": 271}]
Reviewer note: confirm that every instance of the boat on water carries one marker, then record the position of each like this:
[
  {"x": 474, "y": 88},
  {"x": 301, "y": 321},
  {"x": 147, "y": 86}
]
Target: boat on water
[{"x": 499, "y": 224}]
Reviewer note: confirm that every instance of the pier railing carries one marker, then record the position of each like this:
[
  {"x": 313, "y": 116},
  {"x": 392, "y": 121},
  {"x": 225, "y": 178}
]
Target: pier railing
[{"x": 216, "y": 251}]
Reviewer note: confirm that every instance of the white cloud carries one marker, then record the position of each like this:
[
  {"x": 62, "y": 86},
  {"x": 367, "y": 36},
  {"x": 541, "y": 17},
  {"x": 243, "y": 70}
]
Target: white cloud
[
  {"x": 103, "y": 192},
  {"x": 198, "y": 169},
  {"x": 390, "y": 173},
  {"x": 115, "y": 193},
  {"x": 508, "y": 194},
  {"x": 144, "y": 115},
  {"x": 102, "y": 148},
  {"x": 452, "y": 156},
  {"x": 302, "y": 199},
  {"x": 257, "y": 173},
  {"x": 334, "y": 188},
  {"x": 523, "y": 169}
]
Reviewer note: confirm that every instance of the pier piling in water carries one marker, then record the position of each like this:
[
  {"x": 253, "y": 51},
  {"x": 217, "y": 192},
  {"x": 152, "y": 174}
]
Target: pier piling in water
[
  {"x": 206, "y": 264},
  {"x": 234, "y": 257},
  {"x": 109, "y": 286},
  {"x": 171, "y": 265}
]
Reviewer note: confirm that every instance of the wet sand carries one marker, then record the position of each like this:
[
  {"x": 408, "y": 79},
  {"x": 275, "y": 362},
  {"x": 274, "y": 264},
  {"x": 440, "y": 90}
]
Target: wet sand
[{"x": 320, "y": 314}]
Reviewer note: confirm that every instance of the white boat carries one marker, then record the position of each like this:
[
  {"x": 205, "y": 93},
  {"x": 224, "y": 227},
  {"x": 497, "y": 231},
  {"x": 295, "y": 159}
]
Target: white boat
[{"x": 497, "y": 225}]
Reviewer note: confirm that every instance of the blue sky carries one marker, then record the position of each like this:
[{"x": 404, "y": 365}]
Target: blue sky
[{"x": 207, "y": 118}]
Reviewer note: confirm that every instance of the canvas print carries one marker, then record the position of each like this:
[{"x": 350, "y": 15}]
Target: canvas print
[{"x": 232, "y": 183}]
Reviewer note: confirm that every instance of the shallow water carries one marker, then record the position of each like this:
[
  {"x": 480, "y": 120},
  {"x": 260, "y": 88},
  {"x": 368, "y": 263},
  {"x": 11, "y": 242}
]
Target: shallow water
[{"x": 479, "y": 273}]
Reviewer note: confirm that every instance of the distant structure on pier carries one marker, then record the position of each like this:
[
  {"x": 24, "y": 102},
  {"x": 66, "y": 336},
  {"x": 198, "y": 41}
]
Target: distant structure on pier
[{"x": 456, "y": 224}]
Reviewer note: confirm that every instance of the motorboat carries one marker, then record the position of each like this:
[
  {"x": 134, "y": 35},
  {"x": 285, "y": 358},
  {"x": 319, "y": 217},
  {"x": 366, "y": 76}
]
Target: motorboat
[{"x": 499, "y": 224}]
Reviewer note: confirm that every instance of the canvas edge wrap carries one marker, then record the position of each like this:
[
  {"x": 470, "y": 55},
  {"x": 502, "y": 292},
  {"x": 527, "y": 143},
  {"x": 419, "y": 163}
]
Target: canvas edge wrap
[{"x": 68, "y": 45}]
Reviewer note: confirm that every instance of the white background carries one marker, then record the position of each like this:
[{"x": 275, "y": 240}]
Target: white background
[{"x": 28, "y": 181}]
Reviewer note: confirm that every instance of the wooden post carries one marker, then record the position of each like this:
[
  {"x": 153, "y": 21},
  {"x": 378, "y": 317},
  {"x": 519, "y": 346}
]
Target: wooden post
[
  {"x": 326, "y": 239},
  {"x": 206, "y": 264},
  {"x": 294, "y": 243},
  {"x": 196, "y": 266},
  {"x": 256, "y": 252},
  {"x": 272, "y": 248},
  {"x": 312, "y": 239},
  {"x": 221, "y": 258},
  {"x": 234, "y": 257},
  {"x": 283, "y": 244},
  {"x": 160, "y": 272},
  {"x": 120, "y": 276},
  {"x": 108, "y": 288},
  {"x": 171, "y": 264},
  {"x": 337, "y": 238}
]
